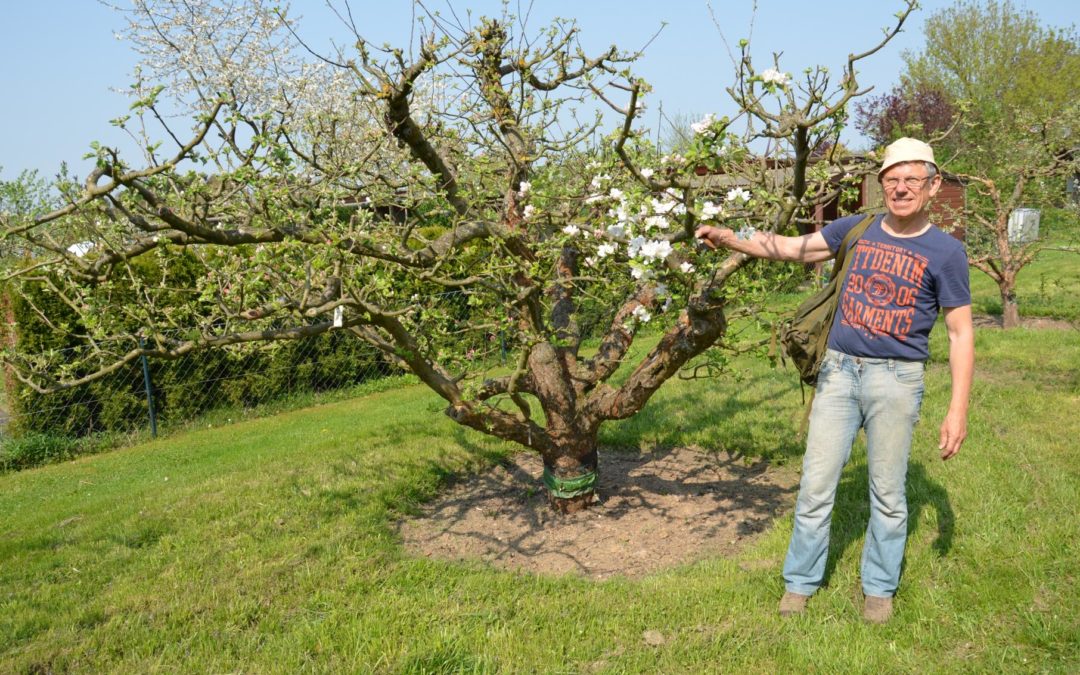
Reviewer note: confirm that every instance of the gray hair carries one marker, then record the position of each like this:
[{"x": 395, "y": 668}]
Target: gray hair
[{"x": 931, "y": 169}]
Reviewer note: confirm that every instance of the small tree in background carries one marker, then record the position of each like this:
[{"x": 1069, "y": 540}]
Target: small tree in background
[
  {"x": 1014, "y": 143},
  {"x": 433, "y": 203},
  {"x": 1016, "y": 81},
  {"x": 1031, "y": 163}
]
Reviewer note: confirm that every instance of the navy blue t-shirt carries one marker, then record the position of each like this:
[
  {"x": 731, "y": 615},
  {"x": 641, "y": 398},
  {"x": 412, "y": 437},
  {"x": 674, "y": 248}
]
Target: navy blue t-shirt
[{"x": 894, "y": 289}]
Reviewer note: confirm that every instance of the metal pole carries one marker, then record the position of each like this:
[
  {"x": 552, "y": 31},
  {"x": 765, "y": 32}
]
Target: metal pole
[{"x": 149, "y": 390}]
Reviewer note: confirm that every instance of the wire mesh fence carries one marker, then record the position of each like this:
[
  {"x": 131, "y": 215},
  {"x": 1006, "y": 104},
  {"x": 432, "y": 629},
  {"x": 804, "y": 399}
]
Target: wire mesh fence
[{"x": 150, "y": 393}]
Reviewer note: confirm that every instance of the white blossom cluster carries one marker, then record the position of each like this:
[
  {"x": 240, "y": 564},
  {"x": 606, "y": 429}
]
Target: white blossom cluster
[
  {"x": 639, "y": 221},
  {"x": 774, "y": 76},
  {"x": 641, "y": 314},
  {"x": 179, "y": 44},
  {"x": 703, "y": 125},
  {"x": 266, "y": 71},
  {"x": 738, "y": 194}
]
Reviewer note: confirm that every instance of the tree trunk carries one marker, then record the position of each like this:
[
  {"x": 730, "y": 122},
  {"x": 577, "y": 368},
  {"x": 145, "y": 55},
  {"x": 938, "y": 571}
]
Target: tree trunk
[
  {"x": 570, "y": 475},
  {"x": 1010, "y": 310}
]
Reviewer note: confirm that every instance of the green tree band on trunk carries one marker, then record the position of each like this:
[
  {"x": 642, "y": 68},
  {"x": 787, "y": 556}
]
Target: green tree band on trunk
[{"x": 567, "y": 488}]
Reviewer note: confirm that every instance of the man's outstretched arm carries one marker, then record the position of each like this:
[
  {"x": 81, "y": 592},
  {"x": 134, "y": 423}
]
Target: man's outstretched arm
[{"x": 809, "y": 248}]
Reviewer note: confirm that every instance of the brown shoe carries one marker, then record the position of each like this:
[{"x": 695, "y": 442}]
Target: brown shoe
[
  {"x": 792, "y": 604},
  {"x": 875, "y": 609}
]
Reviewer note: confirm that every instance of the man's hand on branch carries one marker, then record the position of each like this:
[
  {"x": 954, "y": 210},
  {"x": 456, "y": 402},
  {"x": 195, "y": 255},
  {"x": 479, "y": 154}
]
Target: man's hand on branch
[{"x": 715, "y": 237}]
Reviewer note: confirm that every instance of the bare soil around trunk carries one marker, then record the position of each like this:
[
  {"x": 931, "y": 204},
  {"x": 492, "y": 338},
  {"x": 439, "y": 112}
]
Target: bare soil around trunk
[
  {"x": 655, "y": 510},
  {"x": 1032, "y": 322}
]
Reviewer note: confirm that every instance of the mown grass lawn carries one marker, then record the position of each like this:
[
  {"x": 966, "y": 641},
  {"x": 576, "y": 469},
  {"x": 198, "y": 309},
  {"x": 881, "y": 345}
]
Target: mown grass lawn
[{"x": 270, "y": 546}]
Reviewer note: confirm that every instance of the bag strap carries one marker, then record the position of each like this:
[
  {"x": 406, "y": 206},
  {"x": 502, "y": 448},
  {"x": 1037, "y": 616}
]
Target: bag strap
[
  {"x": 841, "y": 261},
  {"x": 840, "y": 267}
]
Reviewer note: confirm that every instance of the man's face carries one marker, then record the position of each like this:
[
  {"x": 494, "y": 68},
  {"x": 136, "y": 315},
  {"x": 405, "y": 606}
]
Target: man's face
[{"x": 907, "y": 190}]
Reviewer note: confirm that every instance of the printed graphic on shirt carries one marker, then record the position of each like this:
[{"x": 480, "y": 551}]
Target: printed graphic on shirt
[{"x": 883, "y": 284}]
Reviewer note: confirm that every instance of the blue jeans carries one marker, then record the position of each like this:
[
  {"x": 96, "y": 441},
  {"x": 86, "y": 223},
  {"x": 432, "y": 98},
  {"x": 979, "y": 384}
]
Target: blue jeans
[{"x": 883, "y": 397}]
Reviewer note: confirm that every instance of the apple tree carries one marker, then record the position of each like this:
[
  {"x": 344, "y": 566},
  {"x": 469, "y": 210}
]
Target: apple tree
[{"x": 489, "y": 185}]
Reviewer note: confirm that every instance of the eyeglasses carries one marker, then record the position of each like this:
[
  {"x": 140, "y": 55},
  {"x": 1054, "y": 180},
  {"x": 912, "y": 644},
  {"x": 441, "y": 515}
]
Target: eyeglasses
[{"x": 911, "y": 182}]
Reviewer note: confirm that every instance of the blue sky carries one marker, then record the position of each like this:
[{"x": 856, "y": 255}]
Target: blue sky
[{"x": 61, "y": 60}]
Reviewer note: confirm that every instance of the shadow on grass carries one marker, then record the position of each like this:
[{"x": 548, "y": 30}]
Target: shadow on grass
[
  {"x": 648, "y": 465},
  {"x": 851, "y": 514},
  {"x": 758, "y": 418},
  {"x": 400, "y": 482}
]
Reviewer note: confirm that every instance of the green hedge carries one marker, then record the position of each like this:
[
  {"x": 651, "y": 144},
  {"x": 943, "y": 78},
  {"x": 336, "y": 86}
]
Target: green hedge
[{"x": 239, "y": 376}]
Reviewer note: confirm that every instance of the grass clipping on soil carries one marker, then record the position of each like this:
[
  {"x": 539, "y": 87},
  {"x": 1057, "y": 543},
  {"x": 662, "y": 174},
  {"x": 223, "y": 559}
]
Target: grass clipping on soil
[{"x": 656, "y": 510}]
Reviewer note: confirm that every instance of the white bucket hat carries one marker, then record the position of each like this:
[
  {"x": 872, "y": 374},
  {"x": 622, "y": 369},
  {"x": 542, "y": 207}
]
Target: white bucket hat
[{"x": 906, "y": 150}]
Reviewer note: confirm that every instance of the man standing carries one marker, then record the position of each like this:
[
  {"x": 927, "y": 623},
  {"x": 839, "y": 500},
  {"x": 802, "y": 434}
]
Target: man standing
[{"x": 903, "y": 270}]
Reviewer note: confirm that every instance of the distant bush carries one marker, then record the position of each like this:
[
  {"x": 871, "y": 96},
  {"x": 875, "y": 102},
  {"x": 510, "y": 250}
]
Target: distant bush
[{"x": 34, "y": 449}]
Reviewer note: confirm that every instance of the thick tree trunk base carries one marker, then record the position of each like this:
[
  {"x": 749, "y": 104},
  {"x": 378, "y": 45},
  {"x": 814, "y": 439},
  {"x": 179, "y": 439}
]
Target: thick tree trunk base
[
  {"x": 571, "y": 472},
  {"x": 572, "y": 504},
  {"x": 1010, "y": 315}
]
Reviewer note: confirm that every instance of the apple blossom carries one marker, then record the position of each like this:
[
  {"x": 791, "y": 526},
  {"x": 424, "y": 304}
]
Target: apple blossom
[
  {"x": 710, "y": 210},
  {"x": 572, "y": 230},
  {"x": 738, "y": 193},
  {"x": 657, "y": 222},
  {"x": 746, "y": 232},
  {"x": 703, "y": 125},
  {"x": 774, "y": 76},
  {"x": 604, "y": 250},
  {"x": 641, "y": 314},
  {"x": 662, "y": 207},
  {"x": 657, "y": 249},
  {"x": 686, "y": 267}
]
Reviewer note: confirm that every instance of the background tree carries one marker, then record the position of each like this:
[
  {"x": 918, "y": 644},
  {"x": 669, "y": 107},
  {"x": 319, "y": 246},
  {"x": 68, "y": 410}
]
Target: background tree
[
  {"x": 1030, "y": 163},
  {"x": 1019, "y": 140},
  {"x": 999, "y": 59},
  {"x": 429, "y": 202},
  {"x": 21, "y": 200},
  {"x": 921, "y": 113},
  {"x": 1014, "y": 81}
]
